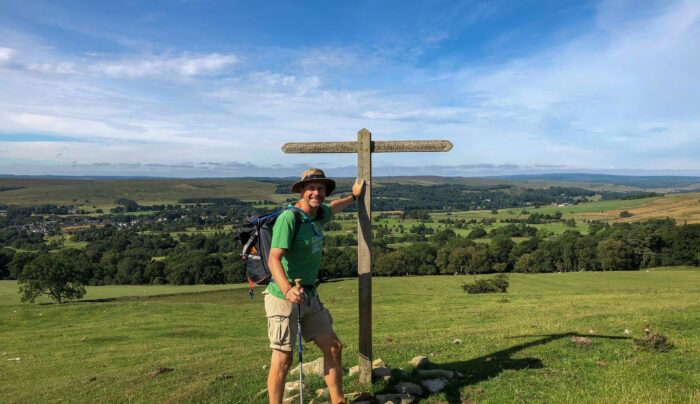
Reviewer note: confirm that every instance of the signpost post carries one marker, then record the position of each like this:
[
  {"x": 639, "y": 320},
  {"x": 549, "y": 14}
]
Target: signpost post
[{"x": 364, "y": 147}]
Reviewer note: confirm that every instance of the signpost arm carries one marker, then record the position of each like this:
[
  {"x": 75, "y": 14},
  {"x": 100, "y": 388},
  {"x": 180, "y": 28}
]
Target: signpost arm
[{"x": 364, "y": 255}]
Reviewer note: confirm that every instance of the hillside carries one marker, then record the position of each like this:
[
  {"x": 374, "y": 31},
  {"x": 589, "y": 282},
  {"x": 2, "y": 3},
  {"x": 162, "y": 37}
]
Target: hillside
[
  {"x": 24, "y": 191},
  {"x": 661, "y": 183}
]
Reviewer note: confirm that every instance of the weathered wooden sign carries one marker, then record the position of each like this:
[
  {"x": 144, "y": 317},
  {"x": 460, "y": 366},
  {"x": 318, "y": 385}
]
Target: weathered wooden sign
[{"x": 364, "y": 147}]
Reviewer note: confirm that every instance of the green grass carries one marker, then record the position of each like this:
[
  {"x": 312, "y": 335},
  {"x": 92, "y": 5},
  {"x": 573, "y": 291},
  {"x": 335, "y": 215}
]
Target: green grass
[{"x": 514, "y": 350}]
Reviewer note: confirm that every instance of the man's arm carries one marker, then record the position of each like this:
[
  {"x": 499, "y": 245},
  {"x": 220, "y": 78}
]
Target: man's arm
[
  {"x": 277, "y": 270},
  {"x": 339, "y": 204}
]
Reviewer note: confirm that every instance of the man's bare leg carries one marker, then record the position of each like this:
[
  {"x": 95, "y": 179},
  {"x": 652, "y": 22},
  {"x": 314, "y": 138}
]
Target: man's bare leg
[
  {"x": 279, "y": 367},
  {"x": 332, "y": 350}
]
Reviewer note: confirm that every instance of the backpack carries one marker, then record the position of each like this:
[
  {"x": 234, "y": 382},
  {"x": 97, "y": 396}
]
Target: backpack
[{"x": 256, "y": 238}]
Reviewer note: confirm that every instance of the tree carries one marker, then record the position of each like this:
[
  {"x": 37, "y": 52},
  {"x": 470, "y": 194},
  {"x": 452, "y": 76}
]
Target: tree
[
  {"x": 6, "y": 256},
  {"x": 60, "y": 276},
  {"x": 19, "y": 261},
  {"x": 614, "y": 255},
  {"x": 393, "y": 263},
  {"x": 478, "y": 232},
  {"x": 443, "y": 236},
  {"x": 500, "y": 248},
  {"x": 525, "y": 264},
  {"x": 420, "y": 258}
]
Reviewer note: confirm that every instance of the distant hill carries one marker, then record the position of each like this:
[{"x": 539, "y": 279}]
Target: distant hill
[
  {"x": 103, "y": 191},
  {"x": 646, "y": 182}
]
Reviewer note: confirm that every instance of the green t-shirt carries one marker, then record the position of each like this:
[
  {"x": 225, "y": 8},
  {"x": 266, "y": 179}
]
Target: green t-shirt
[{"x": 303, "y": 258}]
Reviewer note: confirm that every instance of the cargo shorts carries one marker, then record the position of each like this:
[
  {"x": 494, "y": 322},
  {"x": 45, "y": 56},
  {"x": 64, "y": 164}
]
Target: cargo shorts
[{"x": 282, "y": 317}]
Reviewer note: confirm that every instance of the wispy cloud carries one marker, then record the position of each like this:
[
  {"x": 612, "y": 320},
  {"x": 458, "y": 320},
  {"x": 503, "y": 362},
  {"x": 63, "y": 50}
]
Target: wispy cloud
[
  {"x": 186, "y": 64},
  {"x": 183, "y": 65}
]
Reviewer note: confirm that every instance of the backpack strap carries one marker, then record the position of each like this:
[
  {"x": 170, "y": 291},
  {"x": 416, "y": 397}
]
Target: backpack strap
[
  {"x": 297, "y": 224},
  {"x": 307, "y": 217}
]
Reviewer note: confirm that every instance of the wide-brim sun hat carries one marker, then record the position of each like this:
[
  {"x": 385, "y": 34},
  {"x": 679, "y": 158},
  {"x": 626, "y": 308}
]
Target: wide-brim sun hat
[{"x": 314, "y": 175}]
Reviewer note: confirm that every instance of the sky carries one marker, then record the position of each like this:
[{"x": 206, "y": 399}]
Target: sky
[{"x": 204, "y": 88}]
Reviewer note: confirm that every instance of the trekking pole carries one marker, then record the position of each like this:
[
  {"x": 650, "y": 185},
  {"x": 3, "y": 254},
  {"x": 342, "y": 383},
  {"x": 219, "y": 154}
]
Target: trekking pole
[{"x": 301, "y": 367}]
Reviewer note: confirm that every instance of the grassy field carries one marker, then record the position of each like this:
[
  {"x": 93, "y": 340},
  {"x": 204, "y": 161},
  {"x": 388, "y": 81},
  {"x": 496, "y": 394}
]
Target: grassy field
[
  {"x": 684, "y": 208},
  {"x": 103, "y": 193},
  {"x": 516, "y": 347}
]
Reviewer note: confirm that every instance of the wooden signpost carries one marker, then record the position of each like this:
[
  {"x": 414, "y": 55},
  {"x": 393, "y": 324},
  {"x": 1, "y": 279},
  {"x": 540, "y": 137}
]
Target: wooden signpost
[{"x": 364, "y": 147}]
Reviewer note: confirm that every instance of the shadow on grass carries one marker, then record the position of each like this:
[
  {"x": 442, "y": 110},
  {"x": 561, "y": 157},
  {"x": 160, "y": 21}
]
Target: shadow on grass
[{"x": 491, "y": 365}]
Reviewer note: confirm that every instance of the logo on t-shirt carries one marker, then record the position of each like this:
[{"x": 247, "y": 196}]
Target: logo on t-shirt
[{"x": 316, "y": 242}]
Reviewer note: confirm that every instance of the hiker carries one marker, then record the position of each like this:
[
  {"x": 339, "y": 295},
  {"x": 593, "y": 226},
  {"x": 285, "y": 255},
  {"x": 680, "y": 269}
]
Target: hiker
[{"x": 302, "y": 260}]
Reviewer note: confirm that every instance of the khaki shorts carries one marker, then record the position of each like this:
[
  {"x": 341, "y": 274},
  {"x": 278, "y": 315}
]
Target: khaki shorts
[{"x": 282, "y": 317}]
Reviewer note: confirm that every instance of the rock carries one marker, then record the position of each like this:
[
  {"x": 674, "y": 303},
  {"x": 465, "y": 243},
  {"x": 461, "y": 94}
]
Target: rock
[
  {"x": 360, "y": 396},
  {"x": 434, "y": 385},
  {"x": 409, "y": 388},
  {"x": 223, "y": 376},
  {"x": 378, "y": 363},
  {"x": 353, "y": 370},
  {"x": 291, "y": 399},
  {"x": 420, "y": 362},
  {"x": 448, "y": 374},
  {"x": 459, "y": 375},
  {"x": 395, "y": 398},
  {"x": 264, "y": 367},
  {"x": 292, "y": 386},
  {"x": 322, "y": 392},
  {"x": 457, "y": 341},
  {"x": 160, "y": 371},
  {"x": 311, "y": 368},
  {"x": 628, "y": 331},
  {"x": 381, "y": 372},
  {"x": 581, "y": 340}
]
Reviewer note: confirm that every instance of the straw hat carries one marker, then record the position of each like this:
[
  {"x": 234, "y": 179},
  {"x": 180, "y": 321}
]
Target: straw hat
[{"x": 314, "y": 175}]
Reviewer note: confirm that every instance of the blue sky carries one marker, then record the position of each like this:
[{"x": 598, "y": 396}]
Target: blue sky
[{"x": 214, "y": 89}]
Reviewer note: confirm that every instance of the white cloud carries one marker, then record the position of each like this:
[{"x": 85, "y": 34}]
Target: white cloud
[
  {"x": 6, "y": 54},
  {"x": 187, "y": 65},
  {"x": 184, "y": 65}
]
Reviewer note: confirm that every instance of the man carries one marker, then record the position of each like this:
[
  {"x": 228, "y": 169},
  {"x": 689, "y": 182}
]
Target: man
[{"x": 302, "y": 259}]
